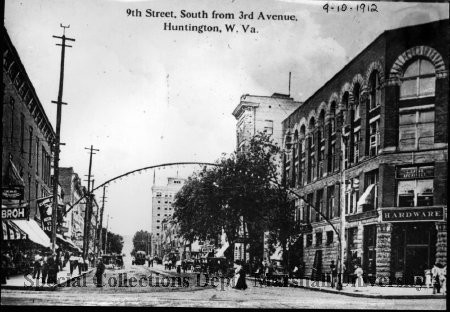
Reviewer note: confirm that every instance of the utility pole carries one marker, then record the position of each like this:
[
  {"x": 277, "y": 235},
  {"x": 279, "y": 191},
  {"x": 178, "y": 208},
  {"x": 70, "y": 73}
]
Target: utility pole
[
  {"x": 57, "y": 143},
  {"x": 101, "y": 222},
  {"x": 106, "y": 234},
  {"x": 87, "y": 215}
]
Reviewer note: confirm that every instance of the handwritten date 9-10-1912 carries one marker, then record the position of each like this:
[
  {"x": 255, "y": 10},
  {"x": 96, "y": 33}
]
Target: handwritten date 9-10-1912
[{"x": 361, "y": 7}]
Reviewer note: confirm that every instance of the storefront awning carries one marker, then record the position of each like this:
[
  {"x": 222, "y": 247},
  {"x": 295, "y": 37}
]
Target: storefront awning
[
  {"x": 34, "y": 232},
  {"x": 12, "y": 231},
  {"x": 67, "y": 242},
  {"x": 367, "y": 197}
]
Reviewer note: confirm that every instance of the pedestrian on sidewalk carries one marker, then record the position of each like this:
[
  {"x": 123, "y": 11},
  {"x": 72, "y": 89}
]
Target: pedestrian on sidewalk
[
  {"x": 73, "y": 262},
  {"x": 4, "y": 269},
  {"x": 52, "y": 269},
  {"x": 436, "y": 272},
  {"x": 99, "y": 273},
  {"x": 66, "y": 258},
  {"x": 58, "y": 260},
  {"x": 333, "y": 274},
  {"x": 37, "y": 266},
  {"x": 44, "y": 270},
  {"x": 240, "y": 276},
  {"x": 80, "y": 264},
  {"x": 359, "y": 281}
]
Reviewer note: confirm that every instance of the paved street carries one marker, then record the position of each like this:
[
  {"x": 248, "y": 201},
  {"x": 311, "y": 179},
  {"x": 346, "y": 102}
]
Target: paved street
[{"x": 193, "y": 295}]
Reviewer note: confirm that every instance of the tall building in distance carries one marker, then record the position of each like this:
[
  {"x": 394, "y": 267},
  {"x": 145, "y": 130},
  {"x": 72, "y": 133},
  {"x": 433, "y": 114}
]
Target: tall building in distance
[{"x": 162, "y": 209}]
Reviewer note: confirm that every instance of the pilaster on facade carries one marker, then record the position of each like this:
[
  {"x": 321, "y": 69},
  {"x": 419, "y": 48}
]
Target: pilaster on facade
[{"x": 383, "y": 249}]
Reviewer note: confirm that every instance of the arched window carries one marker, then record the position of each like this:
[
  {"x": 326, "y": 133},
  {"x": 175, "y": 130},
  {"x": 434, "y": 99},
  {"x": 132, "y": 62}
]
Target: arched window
[
  {"x": 346, "y": 110},
  {"x": 320, "y": 128},
  {"x": 302, "y": 172},
  {"x": 419, "y": 80},
  {"x": 321, "y": 149},
  {"x": 356, "y": 94},
  {"x": 302, "y": 137},
  {"x": 333, "y": 117},
  {"x": 375, "y": 90},
  {"x": 416, "y": 122},
  {"x": 311, "y": 148}
]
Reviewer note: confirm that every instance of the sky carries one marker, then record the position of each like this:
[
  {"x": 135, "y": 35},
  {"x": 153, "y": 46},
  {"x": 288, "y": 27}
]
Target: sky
[{"x": 145, "y": 96}]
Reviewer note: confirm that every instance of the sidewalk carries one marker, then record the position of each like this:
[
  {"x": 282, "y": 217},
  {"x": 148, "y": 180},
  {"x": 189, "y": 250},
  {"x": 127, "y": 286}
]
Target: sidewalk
[
  {"x": 21, "y": 282},
  {"x": 367, "y": 290}
]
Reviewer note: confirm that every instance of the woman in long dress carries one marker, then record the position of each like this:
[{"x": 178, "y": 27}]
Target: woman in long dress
[{"x": 240, "y": 275}]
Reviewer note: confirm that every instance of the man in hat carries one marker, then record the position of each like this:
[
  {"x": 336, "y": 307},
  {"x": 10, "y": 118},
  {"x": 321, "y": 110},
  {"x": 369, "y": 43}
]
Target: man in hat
[
  {"x": 37, "y": 266},
  {"x": 44, "y": 269},
  {"x": 99, "y": 272}
]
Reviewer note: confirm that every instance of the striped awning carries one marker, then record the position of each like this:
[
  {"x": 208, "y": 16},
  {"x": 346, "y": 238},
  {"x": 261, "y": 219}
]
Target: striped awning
[
  {"x": 12, "y": 232},
  {"x": 34, "y": 231}
]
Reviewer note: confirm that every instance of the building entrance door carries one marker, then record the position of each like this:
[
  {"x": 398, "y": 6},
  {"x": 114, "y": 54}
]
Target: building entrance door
[
  {"x": 413, "y": 250},
  {"x": 416, "y": 262}
]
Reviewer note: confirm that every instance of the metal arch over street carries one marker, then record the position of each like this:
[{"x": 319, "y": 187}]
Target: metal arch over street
[
  {"x": 138, "y": 170},
  {"x": 205, "y": 164}
]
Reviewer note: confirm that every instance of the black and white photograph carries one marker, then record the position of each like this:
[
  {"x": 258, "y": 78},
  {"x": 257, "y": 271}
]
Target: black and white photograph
[{"x": 279, "y": 154}]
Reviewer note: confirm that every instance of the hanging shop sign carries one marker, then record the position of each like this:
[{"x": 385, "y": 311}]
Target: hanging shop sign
[
  {"x": 45, "y": 209},
  {"x": 15, "y": 212},
  {"x": 13, "y": 192},
  {"x": 413, "y": 214}
]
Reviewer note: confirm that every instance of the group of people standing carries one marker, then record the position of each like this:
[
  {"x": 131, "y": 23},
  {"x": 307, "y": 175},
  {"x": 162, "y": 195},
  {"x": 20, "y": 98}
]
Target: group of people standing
[{"x": 49, "y": 264}]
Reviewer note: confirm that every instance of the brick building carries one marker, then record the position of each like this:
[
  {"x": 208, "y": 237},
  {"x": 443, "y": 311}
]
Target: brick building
[
  {"x": 27, "y": 132},
  {"x": 378, "y": 126},
  {"x": 73, "y": 191}
]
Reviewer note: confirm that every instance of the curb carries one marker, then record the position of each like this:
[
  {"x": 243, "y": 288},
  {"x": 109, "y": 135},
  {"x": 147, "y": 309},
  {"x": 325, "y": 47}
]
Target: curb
[
  {"x": 361, "y": 295},
  {"x": 45, "y": 288}
]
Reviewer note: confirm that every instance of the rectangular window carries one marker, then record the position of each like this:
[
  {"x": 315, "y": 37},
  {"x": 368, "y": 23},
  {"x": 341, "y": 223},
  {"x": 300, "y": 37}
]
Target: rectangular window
[
  {"x": 37, "y": 155},
  {"x": 268, "y": 126},
  {"x": 22, "y": 133},
  {"x": 374, "y": 144},
  {"x": 36, "y": 190},
  {"x": 318, "y": 238},
  {"x": 356, "y": 147},
  {"x": 11, "y": 103},
  {"x": 308, "y": 240},
  {"x": 346, "y": 151},
  {"x": 416, "y": 129},
  {"x": 309, "y": 199},
  {"x": 412, "y": 193},
  {"x": 330, "y": 202},
  {"x": 415, "y": 186},
  {"x": 331, "y": 157},
  {"x": 30, "y": 145},
  {"x": 319, "y": 204},
  {"x": 329, "y": 237}
]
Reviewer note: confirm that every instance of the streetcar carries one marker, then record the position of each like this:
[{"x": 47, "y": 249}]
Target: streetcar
[{"x": 139, "y": 257}]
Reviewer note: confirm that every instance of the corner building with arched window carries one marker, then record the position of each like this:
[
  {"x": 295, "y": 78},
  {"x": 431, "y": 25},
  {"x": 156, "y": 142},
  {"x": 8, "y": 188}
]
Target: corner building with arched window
[{"x": 372, "y": 143}]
